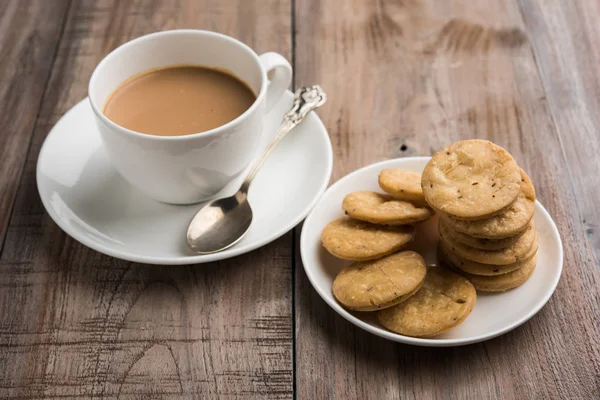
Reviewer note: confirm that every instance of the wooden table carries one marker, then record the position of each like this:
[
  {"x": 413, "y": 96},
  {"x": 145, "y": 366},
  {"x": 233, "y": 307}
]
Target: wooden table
[{"x": 404, "y": 78}]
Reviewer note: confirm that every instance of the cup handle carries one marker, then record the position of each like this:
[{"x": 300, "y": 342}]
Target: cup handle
[{"x": 282, "y": 76}]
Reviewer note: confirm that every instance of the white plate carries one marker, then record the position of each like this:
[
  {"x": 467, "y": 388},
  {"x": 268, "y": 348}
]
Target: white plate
[
  {"x": 91, "y": 202},
  {"x": 493, "y": 315}
]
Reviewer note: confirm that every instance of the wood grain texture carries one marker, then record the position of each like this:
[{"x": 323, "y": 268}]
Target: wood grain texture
[
  {"x": 77, "y": 324},
  {"x": 408, "y": 78},
  {"x": 565, "y": 38},
  {"x": 29, "y": 35}
]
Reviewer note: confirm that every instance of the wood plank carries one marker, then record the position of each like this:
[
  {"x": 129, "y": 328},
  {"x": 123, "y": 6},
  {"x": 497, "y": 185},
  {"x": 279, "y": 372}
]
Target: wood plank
[
  {"x": 566, "y": 42},
  {"x": 408, "y": 78},
  {"x": 29, "y": 35},
  {"x": 77, "y": 324}
]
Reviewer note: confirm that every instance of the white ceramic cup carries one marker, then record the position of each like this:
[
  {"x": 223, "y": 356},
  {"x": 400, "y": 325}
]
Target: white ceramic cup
[{"x": 191, "y": 168}]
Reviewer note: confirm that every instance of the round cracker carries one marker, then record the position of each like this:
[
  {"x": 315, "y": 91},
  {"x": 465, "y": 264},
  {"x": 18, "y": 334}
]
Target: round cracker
[
  {"x": 509, "y": 255},
  {"x": 501, "y": 283},
  {"x": 378, "y": 284},
  {"x": 444, "y": 301},
  {"x": 480, "y": 243},
  {"x": 475, "y": 268},
  {"x": 471, "y": 179},
  {"x": 509, "y": 222},
  {"x": 402, "y": 184},
  {"x": 354, "y": 240},
  {"x": 383, "y": 209}
]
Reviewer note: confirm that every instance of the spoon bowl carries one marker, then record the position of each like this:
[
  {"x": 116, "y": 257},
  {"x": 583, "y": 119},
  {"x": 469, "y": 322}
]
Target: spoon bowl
[{"x": 220, "y": 224}]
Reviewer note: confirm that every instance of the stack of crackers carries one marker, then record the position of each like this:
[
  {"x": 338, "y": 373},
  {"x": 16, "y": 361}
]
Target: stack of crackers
[
  {"x": 485, "y": 203},
  {"x": 409, "y": 298}
]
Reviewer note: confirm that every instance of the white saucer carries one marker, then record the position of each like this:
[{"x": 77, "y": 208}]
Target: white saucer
[
  {"x": 493, "y": 315},
  {"x": 91, "y": 202}
]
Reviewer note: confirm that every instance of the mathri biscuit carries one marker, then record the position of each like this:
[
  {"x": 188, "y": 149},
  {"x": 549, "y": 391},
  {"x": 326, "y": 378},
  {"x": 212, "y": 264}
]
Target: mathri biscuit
[
  {"x": 480, "y": 243},
  {"x": 509, "y": 222},
  {"x": 471, "y": 179},
  {"x": 509, "y": 255},
  {"x": 382, "y": 283},
  {"x": 402, "y": 184},
  {"x": 383, "y": 209},
  {"x": 443, "y": 302},
  {"x": 475, "y": 268},
  {"x": 350, "y": 239},
  {"x": 500, "y": 283}
]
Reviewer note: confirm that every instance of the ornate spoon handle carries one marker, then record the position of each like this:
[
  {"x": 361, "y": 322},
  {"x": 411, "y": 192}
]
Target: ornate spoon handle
[{"x": 306, "y": 99}]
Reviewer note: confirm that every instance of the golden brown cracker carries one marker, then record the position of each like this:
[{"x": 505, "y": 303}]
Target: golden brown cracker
[
  {"x": 382, "y": 283},
  {"x": 500, "y": 283},
  {"x": 402, "y": 185},
  {"x": 509, "y": 255},
  {"x": 383, "y": 209},
  {"x": 471, "y": 179},
  {"x": 509, "y": 222},
  {"x": 480, "y": 243},
  {"x": 350, "y": 239},
  {"x": 444, "y": 301},
  {"x": 475, "y": 268}
]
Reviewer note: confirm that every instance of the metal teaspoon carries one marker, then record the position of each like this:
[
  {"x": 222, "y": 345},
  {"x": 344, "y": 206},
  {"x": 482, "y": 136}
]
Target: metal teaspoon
[{"x": 223, "y": 222}]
